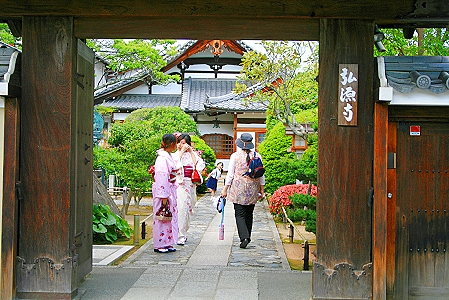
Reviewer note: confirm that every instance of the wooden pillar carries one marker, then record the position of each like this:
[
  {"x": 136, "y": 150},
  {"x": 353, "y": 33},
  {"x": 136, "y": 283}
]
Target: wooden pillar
[
  {"x": 343, "y": 269},
  {"x": 10, "y": 201},
  {"x": 380, "y": 211},
  {"x": 46, "y": 263}
]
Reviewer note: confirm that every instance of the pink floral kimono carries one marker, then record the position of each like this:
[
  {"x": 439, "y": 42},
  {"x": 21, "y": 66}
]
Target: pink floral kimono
[{"x": 165, "y": 233}]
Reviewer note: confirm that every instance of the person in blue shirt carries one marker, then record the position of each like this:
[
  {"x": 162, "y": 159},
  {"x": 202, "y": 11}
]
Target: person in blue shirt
[{"x": 212, "y": 178}]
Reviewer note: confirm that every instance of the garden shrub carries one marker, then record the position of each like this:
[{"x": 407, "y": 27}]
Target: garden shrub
[
  {"x": 276, "y": 160},
  {"x": 132, "y": 146},
  {"x": 107, "y": 226},
  {"x": 281, "y": 197},
  {"x": 307, "y": 166},
  {"x": 303, "y": 208}
]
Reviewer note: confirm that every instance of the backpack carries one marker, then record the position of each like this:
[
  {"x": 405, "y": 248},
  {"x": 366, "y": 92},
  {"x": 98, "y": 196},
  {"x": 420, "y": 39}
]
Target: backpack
[{"x": 255, "y": 167}]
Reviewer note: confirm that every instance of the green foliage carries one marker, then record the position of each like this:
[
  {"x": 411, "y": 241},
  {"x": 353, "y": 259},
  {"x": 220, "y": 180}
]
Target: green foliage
[
  {"x": 105, "y": 110},
  {"x": 107, "y": 226},
  {"x": 282, "y": 167},
  {"x": 303, "y": 208},
  {"x": 281, "y": 197},
  {"x": 133, "y": 169},
  {"x": 137, "y": 54},
  {"x": 308, "y": 164},
  {"x": 208, "y": 154},
  {"x": 426, "y": 42},
  {"x": 107, "y": 159},
  {"x": 276, "y": 160},
  {"x": 7, "y": 37},
  {"x": 134, "y": 142},
  {"x": 290, "y": 80}
]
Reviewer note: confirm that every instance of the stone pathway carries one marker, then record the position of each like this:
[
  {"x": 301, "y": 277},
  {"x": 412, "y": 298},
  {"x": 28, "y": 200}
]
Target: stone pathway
[{"x": 204, "y": 248}]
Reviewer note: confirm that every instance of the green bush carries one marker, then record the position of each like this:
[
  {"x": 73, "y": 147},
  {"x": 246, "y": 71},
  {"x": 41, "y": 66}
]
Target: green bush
[
  {"x": 133, "y": 144},
  {"x": 303, "y": 208},
  {"x": 276, "y": 160},
  {"x": 308, "y": 164},
  {"x": 107, "y": 226}
]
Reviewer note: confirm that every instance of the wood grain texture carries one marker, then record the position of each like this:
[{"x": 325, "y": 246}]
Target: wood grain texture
[
  {"x": 345, "y": 170},
  {"x": 46, "y": 158},
  {"x": 380, "y": 206},
  {"x": 422, "y": 211},
  {"x": 10, "y": 203},
  {"x": 391, "y": 208},
  {"x": 267, "y": 19}
]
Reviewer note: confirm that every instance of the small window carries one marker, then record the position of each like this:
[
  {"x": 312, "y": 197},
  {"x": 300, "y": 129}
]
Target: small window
[
  {"x": 260, "y": 137},
  {"x": 222, "y": 144}
]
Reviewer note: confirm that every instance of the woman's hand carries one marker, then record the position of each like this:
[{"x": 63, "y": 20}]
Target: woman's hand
[{"x": 224, "y": 191}]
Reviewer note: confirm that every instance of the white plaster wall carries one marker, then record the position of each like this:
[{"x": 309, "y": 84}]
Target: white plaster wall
[
  {"x": 171, "y": 88},
  {"x": 120, "y": 116},
  {"x": 141, "y": 89},
  {"x": 420, "y": 97},
  {"x": 99, "y": 70}
]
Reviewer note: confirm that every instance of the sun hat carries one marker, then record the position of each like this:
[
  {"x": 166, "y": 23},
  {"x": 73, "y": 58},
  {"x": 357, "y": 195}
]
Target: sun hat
[{"x": 245, "y": 141}]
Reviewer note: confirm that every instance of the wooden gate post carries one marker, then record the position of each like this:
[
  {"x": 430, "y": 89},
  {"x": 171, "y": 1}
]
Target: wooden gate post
[
  {"x": 50, "y": 137},
  {"x": 343, "y": 268}
]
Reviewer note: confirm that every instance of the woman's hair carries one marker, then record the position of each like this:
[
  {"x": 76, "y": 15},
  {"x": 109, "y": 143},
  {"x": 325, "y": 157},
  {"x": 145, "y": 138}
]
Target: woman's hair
[
  {"x": 186, "y": 138},
  {"x": 218, "y": 163},
  {"x": 247, "y": 155},
  {"x": 167, "y": 140}
]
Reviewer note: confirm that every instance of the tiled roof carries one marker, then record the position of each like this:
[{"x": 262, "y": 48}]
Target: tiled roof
[
  {"x": 196, "y": 91},
  {"x": 118, "y": 84},
  {"x": 234, "y": 102},
  {"x": 407, "y": 73},
  {"x": 136, "y": 101},
  {"x": 198, "y": 95}
]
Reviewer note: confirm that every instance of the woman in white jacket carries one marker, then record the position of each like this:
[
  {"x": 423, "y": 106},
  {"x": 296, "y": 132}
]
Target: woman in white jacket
[
  {"x": 186, "y": 159},
  {"x": 241, "y": 189}
]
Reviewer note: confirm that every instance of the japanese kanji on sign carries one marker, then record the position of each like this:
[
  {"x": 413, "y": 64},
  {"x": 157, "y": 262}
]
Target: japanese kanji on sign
[{"x": 348, "y": 94}]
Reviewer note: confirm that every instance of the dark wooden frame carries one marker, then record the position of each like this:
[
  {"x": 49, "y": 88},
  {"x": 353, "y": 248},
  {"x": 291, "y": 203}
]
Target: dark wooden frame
[{"x": 233, "y": 20}]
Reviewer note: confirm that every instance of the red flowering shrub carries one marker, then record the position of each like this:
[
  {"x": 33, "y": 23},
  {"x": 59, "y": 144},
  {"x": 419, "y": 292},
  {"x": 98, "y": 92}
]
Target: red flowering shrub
[{"x": 281, "y": 196}]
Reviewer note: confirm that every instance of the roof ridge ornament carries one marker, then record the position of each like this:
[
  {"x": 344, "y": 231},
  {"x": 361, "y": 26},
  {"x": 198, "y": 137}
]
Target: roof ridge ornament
[{"x": 216, "y": 47}]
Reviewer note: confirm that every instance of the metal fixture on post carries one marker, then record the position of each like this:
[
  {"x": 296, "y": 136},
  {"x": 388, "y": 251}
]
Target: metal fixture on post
[{"x": 378, "y": 37}]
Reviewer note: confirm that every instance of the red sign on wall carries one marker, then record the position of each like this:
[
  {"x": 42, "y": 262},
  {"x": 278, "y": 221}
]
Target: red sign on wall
[
  {"x": 348, "y": 89},
  {"x": 415, "y": 130}
]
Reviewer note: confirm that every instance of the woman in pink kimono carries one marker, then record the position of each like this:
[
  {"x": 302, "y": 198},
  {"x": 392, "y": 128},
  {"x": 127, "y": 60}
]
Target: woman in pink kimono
[
  {"x": 186, "y": 159},
  {"x": 165, "y": 213}
]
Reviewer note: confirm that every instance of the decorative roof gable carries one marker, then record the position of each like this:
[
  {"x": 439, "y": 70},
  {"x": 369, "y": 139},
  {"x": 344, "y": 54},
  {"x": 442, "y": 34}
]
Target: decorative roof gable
[{"x": 215, "y": 46}]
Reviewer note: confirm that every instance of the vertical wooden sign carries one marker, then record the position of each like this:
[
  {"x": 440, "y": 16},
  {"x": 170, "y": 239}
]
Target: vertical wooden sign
[{"x": 348, "y": 94}]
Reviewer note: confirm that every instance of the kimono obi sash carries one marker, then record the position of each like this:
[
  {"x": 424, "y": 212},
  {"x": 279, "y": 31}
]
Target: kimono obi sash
[{"x": 188, "y": 170}]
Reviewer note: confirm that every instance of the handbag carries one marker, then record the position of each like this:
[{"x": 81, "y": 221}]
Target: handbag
[
  {"x": 196, "y": 176},
  {"x": 151, "y": 171},
  {"x": 164, "y": 213}
]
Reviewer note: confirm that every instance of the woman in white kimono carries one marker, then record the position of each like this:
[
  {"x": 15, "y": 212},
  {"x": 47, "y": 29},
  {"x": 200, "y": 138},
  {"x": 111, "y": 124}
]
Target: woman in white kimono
[{"x": 187, "y": 159}]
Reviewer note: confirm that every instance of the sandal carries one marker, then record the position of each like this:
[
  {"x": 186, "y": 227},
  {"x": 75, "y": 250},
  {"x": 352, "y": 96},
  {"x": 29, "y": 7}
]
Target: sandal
[
  {"x": 161, "y": 250},
  {"x": 171, "y": 249}
]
